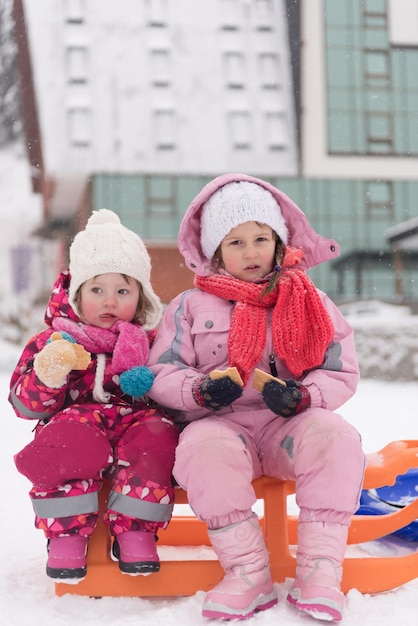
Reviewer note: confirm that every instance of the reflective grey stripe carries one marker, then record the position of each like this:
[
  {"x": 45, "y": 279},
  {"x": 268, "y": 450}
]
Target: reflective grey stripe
[
  {"x": 24, "y": 409},
  {"x": 172, "y": 355},
  {"x": 64, "y": 507},
  {"x": 140, "y": 509}
]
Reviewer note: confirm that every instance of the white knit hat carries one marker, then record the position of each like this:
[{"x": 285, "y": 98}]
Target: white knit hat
[
  {"x": 107, "y": 246},
  {"x": 233, "y": 204}
]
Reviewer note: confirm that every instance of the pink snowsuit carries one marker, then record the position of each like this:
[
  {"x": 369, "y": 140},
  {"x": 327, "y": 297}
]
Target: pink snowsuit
[
  {"x": 78, "y": 442},
  {"x": 219, "y": 454}
]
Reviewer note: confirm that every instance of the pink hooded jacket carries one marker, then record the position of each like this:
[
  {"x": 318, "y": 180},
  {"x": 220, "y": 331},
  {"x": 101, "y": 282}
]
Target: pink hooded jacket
[{"x": 193, "y": 335}]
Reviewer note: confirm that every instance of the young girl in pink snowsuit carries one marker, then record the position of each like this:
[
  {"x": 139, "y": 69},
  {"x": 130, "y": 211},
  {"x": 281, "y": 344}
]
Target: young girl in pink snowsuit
[
  {"x": 83, "y": 380},
  {"x": 254, "y": 307}
]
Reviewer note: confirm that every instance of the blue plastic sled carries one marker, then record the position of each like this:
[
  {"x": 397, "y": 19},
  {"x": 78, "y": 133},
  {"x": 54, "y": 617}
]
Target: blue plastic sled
[{"x": 389, "y": 499}]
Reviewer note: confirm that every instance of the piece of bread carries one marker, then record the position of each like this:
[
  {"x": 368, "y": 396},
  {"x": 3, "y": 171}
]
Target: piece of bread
[
  {"x": 261, "y": 378},
  {"x": 232, "y": 372}
]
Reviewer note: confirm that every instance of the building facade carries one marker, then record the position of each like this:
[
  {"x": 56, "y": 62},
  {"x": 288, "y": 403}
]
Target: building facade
[{"x": 139, "y": 104}]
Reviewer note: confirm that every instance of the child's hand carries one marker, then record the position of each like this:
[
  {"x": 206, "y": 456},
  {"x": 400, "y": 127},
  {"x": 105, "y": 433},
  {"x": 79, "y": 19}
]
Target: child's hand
[
  {"x": 216, "y": 393},
  {"x": 286, "y": 400},
  {"x": 56, "y": 360}
]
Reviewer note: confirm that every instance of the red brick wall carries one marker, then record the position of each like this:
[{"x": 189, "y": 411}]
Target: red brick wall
[{"x": 169, "y": 274}]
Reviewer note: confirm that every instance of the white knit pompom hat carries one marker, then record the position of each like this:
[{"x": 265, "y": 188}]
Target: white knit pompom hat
[
  {"x": 233, "y": 204},
  {"x": 107, "y": 246}
]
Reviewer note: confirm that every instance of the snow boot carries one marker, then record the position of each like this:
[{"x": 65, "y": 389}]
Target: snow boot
[
  {"x": 247, "y": 586},
  {"x": 67, "y": 558},
  {"x": 320, "y": 553},
  {"x": 136, "y": 552}
]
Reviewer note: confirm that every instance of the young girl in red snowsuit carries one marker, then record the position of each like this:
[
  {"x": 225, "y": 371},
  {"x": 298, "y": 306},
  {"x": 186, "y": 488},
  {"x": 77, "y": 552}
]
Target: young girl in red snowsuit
[{"x": 83, "y": 380}]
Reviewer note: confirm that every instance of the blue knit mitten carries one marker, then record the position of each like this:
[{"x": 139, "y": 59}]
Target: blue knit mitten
[{"x": 136, "y": 381}]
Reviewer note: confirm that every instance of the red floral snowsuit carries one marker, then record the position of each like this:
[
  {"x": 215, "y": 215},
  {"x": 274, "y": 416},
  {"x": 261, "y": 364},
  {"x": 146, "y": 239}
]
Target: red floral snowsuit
[{"x": 79, "y": 442}]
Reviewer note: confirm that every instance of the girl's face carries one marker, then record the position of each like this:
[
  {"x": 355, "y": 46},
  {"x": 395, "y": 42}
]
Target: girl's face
[
  {"x": 248, "y": 251},
  {"x": 108, "y": 298}
]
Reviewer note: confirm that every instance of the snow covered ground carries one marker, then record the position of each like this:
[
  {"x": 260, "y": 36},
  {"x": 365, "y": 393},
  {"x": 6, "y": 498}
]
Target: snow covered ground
[{"x": 382, "y": 412}]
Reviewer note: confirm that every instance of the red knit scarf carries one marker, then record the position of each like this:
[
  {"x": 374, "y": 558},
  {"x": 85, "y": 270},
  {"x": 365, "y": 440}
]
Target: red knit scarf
[{"x": 301, "y": 327}]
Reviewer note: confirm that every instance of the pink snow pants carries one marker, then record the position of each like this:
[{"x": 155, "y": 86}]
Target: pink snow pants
[
  {"x": 69, "y": 457},
  {"x": 218, "y": 457}
]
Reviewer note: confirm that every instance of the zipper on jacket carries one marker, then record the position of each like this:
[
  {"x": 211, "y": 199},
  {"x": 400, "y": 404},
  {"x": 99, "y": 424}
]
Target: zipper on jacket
[{"x": 272, "y": 365}]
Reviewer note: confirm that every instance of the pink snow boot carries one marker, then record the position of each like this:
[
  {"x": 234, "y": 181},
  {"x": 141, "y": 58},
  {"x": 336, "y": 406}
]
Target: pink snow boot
[
  {"x": 247, "y": 586},
  {"x": 67, "y": 558},
  {"x": 136, "y": 552},
  {"x": 320, "y": 553}
]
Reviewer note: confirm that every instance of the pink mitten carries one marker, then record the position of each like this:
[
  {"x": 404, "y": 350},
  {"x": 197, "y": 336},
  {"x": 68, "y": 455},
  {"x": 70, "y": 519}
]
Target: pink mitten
[
  {"x": 56, "y": 360},
  {"x": 132, "y": 347}
]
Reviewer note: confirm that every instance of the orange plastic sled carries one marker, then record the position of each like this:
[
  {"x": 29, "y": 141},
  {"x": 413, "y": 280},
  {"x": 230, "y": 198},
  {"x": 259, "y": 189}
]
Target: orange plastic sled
[{"x": 185, "y": 577}]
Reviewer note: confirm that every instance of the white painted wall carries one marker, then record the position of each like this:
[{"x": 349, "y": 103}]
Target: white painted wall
[{"x": 126, "y": 112}]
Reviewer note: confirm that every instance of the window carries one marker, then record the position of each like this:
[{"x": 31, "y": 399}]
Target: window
[
  {"x": 160, "y": 68},
  {"x": 377, "y": 71},
  {"x": 240, "y": 130},
  {"x": 156, "y": 11},
  {"x": 264, "y": 12},
  {"x": 379, "y": 132},
  {"x": 276, "y": 131},
  {"x": 79, "y": 127},
  {"x": 379, "y": 199},
  {"x": 75, "y": 11},
  {"x": 160, "y": 193},
  {"x": 77, "y": 64},
  {"x": 235, "y": 70},
  {"x": 269, "y": 70},
  {"x": 374, "y": 13},
  {"x": 229, "y": 14},
  {"x": 165, "y": 123}
]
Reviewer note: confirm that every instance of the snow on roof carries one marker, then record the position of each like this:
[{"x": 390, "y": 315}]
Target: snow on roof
[{"x": 404, "y": 235}]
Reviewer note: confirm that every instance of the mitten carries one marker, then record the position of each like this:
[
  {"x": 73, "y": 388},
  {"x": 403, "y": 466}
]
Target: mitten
[
  {"x": 136, "y": 381},
  {"x": 56, "y": 360},
  {"x": 216, "y": 393},
  {"x": 132, "y": 347},
  {"x": 286, "y": 400}
]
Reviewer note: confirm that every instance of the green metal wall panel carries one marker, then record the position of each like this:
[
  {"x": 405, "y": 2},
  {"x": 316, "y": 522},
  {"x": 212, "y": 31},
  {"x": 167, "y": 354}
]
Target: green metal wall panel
[
  {"x": 372, "y": 87},
  {"x": 356, "y": 213}
]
